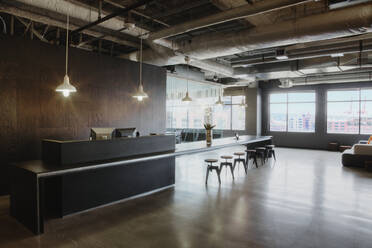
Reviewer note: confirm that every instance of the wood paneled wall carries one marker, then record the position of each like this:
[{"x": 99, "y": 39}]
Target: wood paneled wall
[{"x": 30, "y": 109}]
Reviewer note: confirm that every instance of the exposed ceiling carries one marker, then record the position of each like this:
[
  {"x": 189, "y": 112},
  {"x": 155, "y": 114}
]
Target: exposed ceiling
[{"x": 238, "y": 41}]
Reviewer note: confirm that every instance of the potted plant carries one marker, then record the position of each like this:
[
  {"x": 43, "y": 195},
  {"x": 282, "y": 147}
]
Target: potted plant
[
  {"x": 208, "y": 120},
  {"x": 209, "y": 135}
]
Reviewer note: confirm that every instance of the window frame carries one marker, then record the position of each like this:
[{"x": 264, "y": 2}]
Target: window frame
[
  {"x": 359, "y": 101},
  {"x": 230, "y": 104},
  {"x": 287, "y": 107},
  {"x": 231, "y": 113}
]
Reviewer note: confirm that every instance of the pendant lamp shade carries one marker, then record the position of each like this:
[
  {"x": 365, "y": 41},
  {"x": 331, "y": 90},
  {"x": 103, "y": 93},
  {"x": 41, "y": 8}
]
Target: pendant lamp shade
[
  {"x": 243, "y": 104},
  {"x": 66, "y": 88},
  {"x": 219, "y": 102},
  {"x": 187, "y": 98},
  {"x": 140, "y": 94}
]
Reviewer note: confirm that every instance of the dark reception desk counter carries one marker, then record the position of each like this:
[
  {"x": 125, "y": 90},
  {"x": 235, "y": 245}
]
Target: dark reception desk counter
[{"x": 75, "y": 176}]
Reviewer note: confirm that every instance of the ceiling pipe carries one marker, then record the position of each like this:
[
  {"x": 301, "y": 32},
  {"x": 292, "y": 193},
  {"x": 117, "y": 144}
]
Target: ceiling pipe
[
  {"x": 295, "y": 69},
  {"x": 295, "y": 55},
  {"x": 332, "y": 79},
  {"x": 247, "y": 10}
]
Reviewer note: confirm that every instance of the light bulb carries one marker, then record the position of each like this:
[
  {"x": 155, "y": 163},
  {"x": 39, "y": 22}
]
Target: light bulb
[
  {"x": 66, "y": 93},
  {"x": 139, "y": 98}
]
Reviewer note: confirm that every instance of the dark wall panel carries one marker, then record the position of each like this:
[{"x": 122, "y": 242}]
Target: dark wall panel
[
  {"x": 319, "y": 139},
  {"x": 30, "y": 109}
]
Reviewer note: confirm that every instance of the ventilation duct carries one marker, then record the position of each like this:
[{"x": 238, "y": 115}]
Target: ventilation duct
[
  {"x": 244, "y": 11},
  {"x": 339, "y": 23}
]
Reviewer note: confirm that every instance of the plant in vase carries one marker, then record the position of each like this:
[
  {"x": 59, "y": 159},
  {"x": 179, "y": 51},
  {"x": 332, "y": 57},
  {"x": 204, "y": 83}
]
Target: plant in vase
[
  {"x": 209, "y": 135},
  {"x": 208, "y": 120}
]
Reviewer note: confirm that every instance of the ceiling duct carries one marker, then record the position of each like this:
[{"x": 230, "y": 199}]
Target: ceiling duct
[
  {"x": 241, "y": 12},
  {"x": 339, "y": 23}
]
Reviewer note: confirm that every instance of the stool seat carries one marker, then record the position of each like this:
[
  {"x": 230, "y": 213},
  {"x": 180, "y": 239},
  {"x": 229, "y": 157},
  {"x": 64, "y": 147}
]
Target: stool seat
[
  {"x": 250, "y": 151},
  {"x": 211, "y": 160},
  {"x": 270, "y": 146},
  {"x": 260, "y": 148},
  {"x": 239, "y": 153},
  {"x": 227, "y": 157},
  {"x": 212, "y": 167}
]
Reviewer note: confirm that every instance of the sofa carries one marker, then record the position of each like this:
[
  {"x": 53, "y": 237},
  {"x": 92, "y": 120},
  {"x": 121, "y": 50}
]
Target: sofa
[{"x": 357, "y": 155}]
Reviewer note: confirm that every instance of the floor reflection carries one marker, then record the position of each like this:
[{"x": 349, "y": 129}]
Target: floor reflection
[{"x": 304, "y": 199}]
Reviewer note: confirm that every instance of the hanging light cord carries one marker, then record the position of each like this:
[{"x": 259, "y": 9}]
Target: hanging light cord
[
  {"x": 67, "y": 26},
  {"x": 187, "y": 78},
  {"x": 141, "y": 62}
]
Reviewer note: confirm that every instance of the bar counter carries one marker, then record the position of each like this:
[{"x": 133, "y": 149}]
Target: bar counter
[{"x": 42, "y": 190}]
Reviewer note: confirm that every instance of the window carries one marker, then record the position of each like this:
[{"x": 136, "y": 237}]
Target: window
[
  {"x": 230, "y": 116},
  {"x": 347, "y": 111},
  {"x": 292, "y": 112}
]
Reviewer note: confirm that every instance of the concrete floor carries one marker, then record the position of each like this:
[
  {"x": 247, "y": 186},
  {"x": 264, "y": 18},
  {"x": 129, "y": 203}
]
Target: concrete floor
[{"x": 305, "y": 199}]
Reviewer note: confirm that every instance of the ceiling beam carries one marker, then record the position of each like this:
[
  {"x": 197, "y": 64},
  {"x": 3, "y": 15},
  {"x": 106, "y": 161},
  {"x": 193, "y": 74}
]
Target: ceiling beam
[
  {"x": 137, "y": 13},
  {"x": 112, "y": 15},
  {"x": 36, "y": 15}
]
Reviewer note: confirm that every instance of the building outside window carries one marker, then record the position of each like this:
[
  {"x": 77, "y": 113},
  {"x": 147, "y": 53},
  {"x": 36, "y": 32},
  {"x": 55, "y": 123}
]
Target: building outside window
[
  {"x": 230, "y": 116},
  {"x": 292, "y": 112},
  {"x": 348, "y": 111}
]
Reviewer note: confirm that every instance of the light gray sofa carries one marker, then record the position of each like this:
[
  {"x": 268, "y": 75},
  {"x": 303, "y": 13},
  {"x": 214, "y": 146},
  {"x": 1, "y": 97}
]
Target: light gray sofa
[{"x": 357, "y": 155}]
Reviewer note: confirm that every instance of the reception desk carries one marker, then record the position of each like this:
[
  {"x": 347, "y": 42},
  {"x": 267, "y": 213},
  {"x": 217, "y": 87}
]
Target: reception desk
[{"x": 75, "y": 176}]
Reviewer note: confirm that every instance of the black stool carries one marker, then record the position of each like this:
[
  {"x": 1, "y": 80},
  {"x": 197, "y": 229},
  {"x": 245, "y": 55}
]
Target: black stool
[
  {"x": 270, "y": 151},
  {"x": 239, "y": 160},
  {"x": 261, "y": 152},
  {"x": 251, "y": 154},
  {"x": 227, "y": 163},
  {"x": 212, "y": 167}
]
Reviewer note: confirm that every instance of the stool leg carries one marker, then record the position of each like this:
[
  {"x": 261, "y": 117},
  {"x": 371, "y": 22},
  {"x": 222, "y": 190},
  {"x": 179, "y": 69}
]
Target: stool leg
[
  {"x": 245, "y": 168},
  {"x": 206, "y": 178},
  {"x": 232, "y": 171},
  {"x": 235, "y": 163},
  {"x": 255, "y": 161},
  {"x": 218, "y": 175},
  {"x": 273, "y": 152}
]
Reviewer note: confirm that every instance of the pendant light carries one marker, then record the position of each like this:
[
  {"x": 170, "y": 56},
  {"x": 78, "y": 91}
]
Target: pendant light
[
  {"x": 66, "y": 88},
  {"x": 219, "y": 102},
  {"x": 243, "y": 104},
  {"x": 140, "y": 94},
  {"x": 187, "y": 98}
]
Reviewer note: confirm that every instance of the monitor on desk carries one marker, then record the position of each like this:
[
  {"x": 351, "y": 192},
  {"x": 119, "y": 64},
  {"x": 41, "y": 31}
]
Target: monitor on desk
[
  {"x": 101, "y": 133},
  {"x": 125, "y": 132}
]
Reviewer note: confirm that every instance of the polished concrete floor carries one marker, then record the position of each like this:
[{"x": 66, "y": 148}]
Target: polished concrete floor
[{"x": 305, "y": 199}]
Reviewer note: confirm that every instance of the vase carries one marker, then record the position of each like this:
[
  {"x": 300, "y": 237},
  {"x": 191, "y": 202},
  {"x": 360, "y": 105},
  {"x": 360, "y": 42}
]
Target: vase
[{"x": 209, "y": 136}]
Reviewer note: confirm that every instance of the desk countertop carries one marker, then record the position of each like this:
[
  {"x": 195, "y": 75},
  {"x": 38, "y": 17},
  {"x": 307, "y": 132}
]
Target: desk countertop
[{"x": 44, "y": 170}]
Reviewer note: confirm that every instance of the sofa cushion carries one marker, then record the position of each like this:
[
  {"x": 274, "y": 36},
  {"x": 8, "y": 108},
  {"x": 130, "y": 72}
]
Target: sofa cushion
[{"x": 362, "y": 149}]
